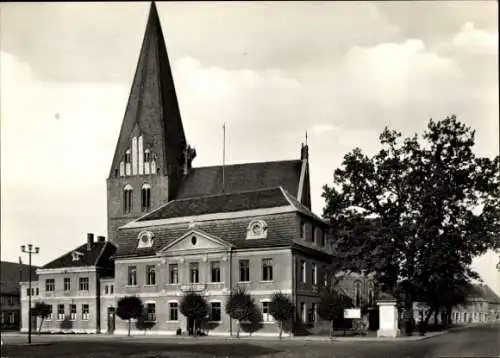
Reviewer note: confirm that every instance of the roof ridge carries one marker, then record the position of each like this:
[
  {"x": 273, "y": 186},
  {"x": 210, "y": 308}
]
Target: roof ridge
[
  {"x": 249, "y": 163},
  {"x": 230, "y": 193}
]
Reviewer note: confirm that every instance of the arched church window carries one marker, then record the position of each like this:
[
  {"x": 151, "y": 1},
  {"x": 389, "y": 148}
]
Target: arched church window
[
  {"x": 128, "y": 157},
  {"x": 127, "y": 198},
  {"x": 146, "y": 197}
]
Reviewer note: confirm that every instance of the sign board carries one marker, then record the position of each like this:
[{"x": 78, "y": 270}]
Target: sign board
[{"x": 351, "y": 313}]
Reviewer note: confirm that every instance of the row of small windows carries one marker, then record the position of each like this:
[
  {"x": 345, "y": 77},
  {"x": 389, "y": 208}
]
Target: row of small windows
[
  {"x": 194, "y": 272},
  {"x": 318, "y": 237},
  {"x": 83, "y": 284},
  {"x": 72, "y": 314},
  {"x": 12, "y": 300},
  {"x": 145, "y": 198}
]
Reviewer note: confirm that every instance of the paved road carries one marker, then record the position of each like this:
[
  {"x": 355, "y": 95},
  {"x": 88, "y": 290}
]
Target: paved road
[{"x": 472, "y": 342}]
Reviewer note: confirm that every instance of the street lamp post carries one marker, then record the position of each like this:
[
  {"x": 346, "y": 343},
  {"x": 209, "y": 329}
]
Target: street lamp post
[{"x": 30, "y": 251}]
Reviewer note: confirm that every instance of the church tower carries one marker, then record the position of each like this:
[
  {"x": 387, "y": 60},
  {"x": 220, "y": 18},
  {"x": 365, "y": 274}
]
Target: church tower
[{"x": 151, "y": 154}]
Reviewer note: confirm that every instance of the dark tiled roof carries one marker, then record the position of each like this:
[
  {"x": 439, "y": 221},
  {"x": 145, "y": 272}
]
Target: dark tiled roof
[
  {"x": 241, "y": 177},
  {"x": 481, "y": 291},
  {"x": 92, "y": 257},
  {"x": 12, "y": 273},
  {"x": 220, "y": 203},
  {"x": 281, "y": 230},
  {"x": 302, "y": 208}
]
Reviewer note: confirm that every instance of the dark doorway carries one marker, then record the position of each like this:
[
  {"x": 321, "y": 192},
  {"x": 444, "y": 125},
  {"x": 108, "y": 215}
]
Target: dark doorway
[
  {"x": 373, "y": 319},
  {"x": 190, "y": 326},
  {"x": 111, "y": 319}
]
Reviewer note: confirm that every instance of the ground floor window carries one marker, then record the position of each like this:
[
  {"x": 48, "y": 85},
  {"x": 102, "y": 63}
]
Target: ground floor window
[
  {"x": 85, "y": 312},
  {"x": 151, "y": 312},
  {"x": 173, "y": 311},
  {"x": 72, "y": 314},
  {"x": 60, "y": 312},
  {"x": 215, "y": 312},
  {"x": 303, "y": 311},
  {"x": 12, "y": 317}
]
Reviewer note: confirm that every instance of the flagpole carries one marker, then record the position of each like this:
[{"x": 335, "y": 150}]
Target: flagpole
[{"x": 223, "y": 153}]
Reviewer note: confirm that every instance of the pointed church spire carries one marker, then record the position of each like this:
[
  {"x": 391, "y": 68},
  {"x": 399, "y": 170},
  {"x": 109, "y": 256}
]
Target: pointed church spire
[{"x": 152, "y": 110}]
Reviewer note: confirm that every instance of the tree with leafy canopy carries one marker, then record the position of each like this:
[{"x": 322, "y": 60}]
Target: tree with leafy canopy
[
  {"x": 194, "y": 307},
  {"x": 282, "y": 309},
  {"x": 129, "y": 308},
  {"x": 240, "y": 306},
  {"x": 416, "y": 214},
  {"x": 331, "y": 308},
  {"x": 42, "y": 310}
]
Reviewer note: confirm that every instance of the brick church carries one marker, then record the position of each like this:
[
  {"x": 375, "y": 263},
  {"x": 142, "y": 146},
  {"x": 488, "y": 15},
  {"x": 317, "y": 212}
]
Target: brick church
[{"x": 175, "y": 228}]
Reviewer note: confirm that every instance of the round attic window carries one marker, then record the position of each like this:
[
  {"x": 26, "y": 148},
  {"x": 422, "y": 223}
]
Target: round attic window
[{"x": 193, "y": 240}]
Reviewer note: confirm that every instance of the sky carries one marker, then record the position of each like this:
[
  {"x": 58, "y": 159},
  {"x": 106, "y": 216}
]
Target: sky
[{"x": 270, "y": 71}]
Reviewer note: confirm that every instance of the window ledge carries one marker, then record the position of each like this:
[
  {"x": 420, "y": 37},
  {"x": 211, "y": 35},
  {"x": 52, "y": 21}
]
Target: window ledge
[
  {"x": 173, "y": 321},
  {"x": 131, "y": 286},
  {"x": 266, "y": 281},
  {"x": 150, "y": 285},
  {"x": 215, "y": 322},
  {"x": 244, "y": 282}
]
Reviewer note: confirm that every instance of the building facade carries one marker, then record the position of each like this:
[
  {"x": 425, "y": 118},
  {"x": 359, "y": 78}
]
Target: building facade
[
  {"x": 11, "y": 274},
  {"x": 174, "y": 228},
  {"x": 71, "y": 286}
]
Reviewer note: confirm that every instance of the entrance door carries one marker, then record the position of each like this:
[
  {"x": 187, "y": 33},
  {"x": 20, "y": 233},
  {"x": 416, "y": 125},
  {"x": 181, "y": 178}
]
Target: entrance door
[{"x": 111, "y": 319}]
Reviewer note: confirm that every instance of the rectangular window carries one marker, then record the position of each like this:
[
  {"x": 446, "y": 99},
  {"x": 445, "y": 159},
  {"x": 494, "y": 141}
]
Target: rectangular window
[
  {"x": 266, "y": 315},
  {"x": 132, "y": 276},
  {"x": 267, "y": 269},
  {"x": 244, "y": 271},
  {"x": 84, "y": 283},
  {"x": 106, "y": 289},
  {"x": 27, "y": 293},
  {"x": 11, "y": 300},
  {"x": 303, "y": 311},
  {"x": 215, "y": 311},
  {"x": 173, "y": 273},
  {"x": 60, "y": 312},
  {"x": 36, "y": 291},
  {"x": 314, "y": 233},
  {"x": 303, "y": 275},
  {"x": 314, "y": 310},
  {"x": 215, "y": 271},
  {"x": 325, "y": 276},
  {"x": 314, "y": 274},
  {"x": 323, "y": 238},
  {"x": 150, "y": 275},
  {"x": 50, "y": 315},
  {"x": 50, "y": 285},
  {"x": 151, "y": 312},
  {"x": 111, "y": 289},
  {"x": 85, "y": 312},
  {"x": 302, "y": 229},
  {"x": 12, "y": 317},
  {"x": 194, "y": 272},
  {"x": 173, "y": 311},
  {"x": 67, "y": 284},
  {"x": 72, "y": 312}
]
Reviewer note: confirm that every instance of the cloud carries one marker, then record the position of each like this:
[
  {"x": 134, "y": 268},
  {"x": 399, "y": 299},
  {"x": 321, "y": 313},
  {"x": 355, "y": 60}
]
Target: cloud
[{"x": 476, "y": 41}]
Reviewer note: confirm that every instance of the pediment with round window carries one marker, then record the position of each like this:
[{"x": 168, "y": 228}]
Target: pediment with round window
[
  {"x": 145, "y": 239},
  {"x": 257, "y": 229}
]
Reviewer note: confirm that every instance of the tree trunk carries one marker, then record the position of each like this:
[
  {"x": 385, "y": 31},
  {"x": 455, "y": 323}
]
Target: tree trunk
[
  {"x": 436, "y": 314},
  {"x": 40, "y": 329},
  {"x": 331, "y": 329},
  {"x": 281, "y": 328},
  {"x": 194, "y": 328},
  {"x": 129, "y": 323},
  {"x": 428, "y": 316},
  {"x": 238, "y": 330}
]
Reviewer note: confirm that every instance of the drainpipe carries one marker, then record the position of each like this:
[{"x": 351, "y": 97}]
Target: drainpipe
[{"x": 230, "y": 288}]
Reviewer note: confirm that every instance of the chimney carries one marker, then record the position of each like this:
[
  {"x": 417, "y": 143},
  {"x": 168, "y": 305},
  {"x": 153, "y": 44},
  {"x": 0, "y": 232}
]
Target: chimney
[
  {"x": 101, "y": 238},
  {"x": 90, "y": 241}
]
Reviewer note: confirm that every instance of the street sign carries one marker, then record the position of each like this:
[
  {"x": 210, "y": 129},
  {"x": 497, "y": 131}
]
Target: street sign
[{"x": 352, "y": 313}]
